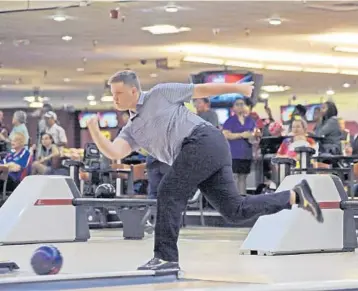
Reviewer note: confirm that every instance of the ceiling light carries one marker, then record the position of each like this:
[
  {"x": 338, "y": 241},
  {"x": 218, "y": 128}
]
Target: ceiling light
[
  {"x": 91, "y": 97},
  {"x": 36, "y": 105},
  {"x": 80, "y": 69},
  {"x": 165, "y": 29},
  {"x": 212, "y": 61},
  {"x": 107, "y": 98},
  {"x": 275, "y": 21},
  {"x": 244, "y": 64},
  {"x": 67, "y": 38},
  {"x": 284, "y": 68},
  {"x": 330, "y": 92},
  {"x": 248, "y": 54},
  {"x": 29, "y": 98},
  {"x": 66, "y": 80},
  {"x": 92, "y": 103},
  {"x": 153, "y": 75},
  {"x": 321, "y": 70},
  {"x": 345, "y": 38},
  {"x": 342, "y": 49},
  {"x": 59, "y": 17},
  {"x": 349, "y": 72},
  {"x": 171, "y": 8},
  {"x": 264, "y": 95},
  {"x": 346, "y": 85},
  {"x": 275, "y": 88}
]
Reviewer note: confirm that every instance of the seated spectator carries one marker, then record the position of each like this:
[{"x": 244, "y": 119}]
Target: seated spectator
[
  {"x": 328, "y": 127},
  {"x": 47, "y": 152},
  {"x": 19, "y": 122},
  {"x": 299, "y": 138},
  {"x": 57, "y": 132},
  {"x": 17, "y": 161},
  {"x": 239, "y": 130}
]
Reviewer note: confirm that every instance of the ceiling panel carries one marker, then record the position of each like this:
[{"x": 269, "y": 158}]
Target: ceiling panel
[{"x": 33, "y": 52}]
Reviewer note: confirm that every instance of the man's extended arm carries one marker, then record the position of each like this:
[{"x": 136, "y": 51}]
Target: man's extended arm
[
  {"x": 214, "y": 89},
  {"x": 179, "y": 93},
  {"x": 116, "y": 150}
]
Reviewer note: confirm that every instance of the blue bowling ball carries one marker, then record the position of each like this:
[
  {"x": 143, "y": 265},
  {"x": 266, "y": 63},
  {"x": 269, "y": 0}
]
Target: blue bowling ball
[{"x": 47, "y": 260}]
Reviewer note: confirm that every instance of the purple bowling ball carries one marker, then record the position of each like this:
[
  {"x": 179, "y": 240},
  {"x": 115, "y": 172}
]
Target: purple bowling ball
[{"x": 46, "y": 260}]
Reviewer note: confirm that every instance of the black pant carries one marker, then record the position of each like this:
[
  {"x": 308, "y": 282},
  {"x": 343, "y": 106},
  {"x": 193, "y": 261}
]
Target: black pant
[
  {"x": 155, "y": 171},
  {"x": 205, "y": 162}
]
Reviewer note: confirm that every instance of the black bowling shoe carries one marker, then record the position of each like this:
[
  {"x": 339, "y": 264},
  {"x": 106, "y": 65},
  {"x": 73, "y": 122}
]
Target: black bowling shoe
[
  {"x": 156, "y": 264},
  {"x": 306, "y": 200}
]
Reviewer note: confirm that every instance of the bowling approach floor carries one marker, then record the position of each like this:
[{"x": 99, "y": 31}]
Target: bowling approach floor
[{"x": 209, "y": 258}]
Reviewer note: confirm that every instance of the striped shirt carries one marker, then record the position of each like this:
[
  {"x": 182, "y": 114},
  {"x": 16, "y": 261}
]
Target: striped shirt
[{"x": 162, "y": 121}]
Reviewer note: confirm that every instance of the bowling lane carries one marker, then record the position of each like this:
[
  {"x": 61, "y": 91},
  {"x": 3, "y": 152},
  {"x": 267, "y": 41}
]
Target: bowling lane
[
  {"x": 105, "y": 285},
  {"x": 207, "y": 254}
]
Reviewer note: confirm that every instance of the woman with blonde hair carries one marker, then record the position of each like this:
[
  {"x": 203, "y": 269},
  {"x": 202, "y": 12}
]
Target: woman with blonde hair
[{"x": 17, "y": 161}]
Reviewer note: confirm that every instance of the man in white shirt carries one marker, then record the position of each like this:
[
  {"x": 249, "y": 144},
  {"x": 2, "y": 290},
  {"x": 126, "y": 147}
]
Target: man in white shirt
[{"x": 57, "y": 132}]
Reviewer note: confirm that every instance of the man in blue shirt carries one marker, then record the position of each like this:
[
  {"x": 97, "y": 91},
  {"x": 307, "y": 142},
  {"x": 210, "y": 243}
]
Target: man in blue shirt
[{"x": 197, "y": 152}]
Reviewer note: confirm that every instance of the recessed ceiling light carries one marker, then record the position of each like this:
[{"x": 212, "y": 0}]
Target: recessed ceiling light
[
  {"x": 59, "y": 17},
  {"x": 264, "y": 95},
  {"x": 66, "y": 80},
  {"x": 171, "y": 8},
  {"x": 330, "y": 92},
  {"x": 275, "y": 21},
  {"x": 80, "y": 69},
  {"x": 92, "y": 103},
  {"x": 67, "y": 38},
  {"x": 346, "y": 85},
  {"x": 153, "y": 75},
  {"x": 91, "y": 97},
  {"x": 165, "y": 29}
]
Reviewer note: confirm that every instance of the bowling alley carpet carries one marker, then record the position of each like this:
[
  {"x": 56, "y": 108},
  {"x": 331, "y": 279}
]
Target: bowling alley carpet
[{"x": 209, "y": 258}]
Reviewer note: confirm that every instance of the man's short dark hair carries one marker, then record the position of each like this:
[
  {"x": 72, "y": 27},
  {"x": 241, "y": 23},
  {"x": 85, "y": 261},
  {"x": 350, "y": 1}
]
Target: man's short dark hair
[{"x": 126, "y": 77}]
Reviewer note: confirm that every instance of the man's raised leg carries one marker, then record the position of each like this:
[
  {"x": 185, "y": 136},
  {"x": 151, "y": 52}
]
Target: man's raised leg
[{"x": 221, "y": 191}]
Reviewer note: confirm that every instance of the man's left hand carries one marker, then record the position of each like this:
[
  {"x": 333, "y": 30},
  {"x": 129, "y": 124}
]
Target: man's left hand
[
  {"x": 92, "y": 124},
  {"x": 246, "y": 89}
]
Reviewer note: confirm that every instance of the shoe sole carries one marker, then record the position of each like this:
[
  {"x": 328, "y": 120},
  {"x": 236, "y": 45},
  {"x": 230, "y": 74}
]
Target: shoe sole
[{"x": 312, "y": 202}]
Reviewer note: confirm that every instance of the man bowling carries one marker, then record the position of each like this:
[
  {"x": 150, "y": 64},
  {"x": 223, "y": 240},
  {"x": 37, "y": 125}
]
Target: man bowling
[{"x": 198, "y": 153}]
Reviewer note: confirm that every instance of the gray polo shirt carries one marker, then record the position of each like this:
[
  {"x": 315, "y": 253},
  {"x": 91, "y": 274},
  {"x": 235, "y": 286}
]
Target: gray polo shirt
[
  {"x": 162, "y": 121},
  {"x": 210, "y": 116}
]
